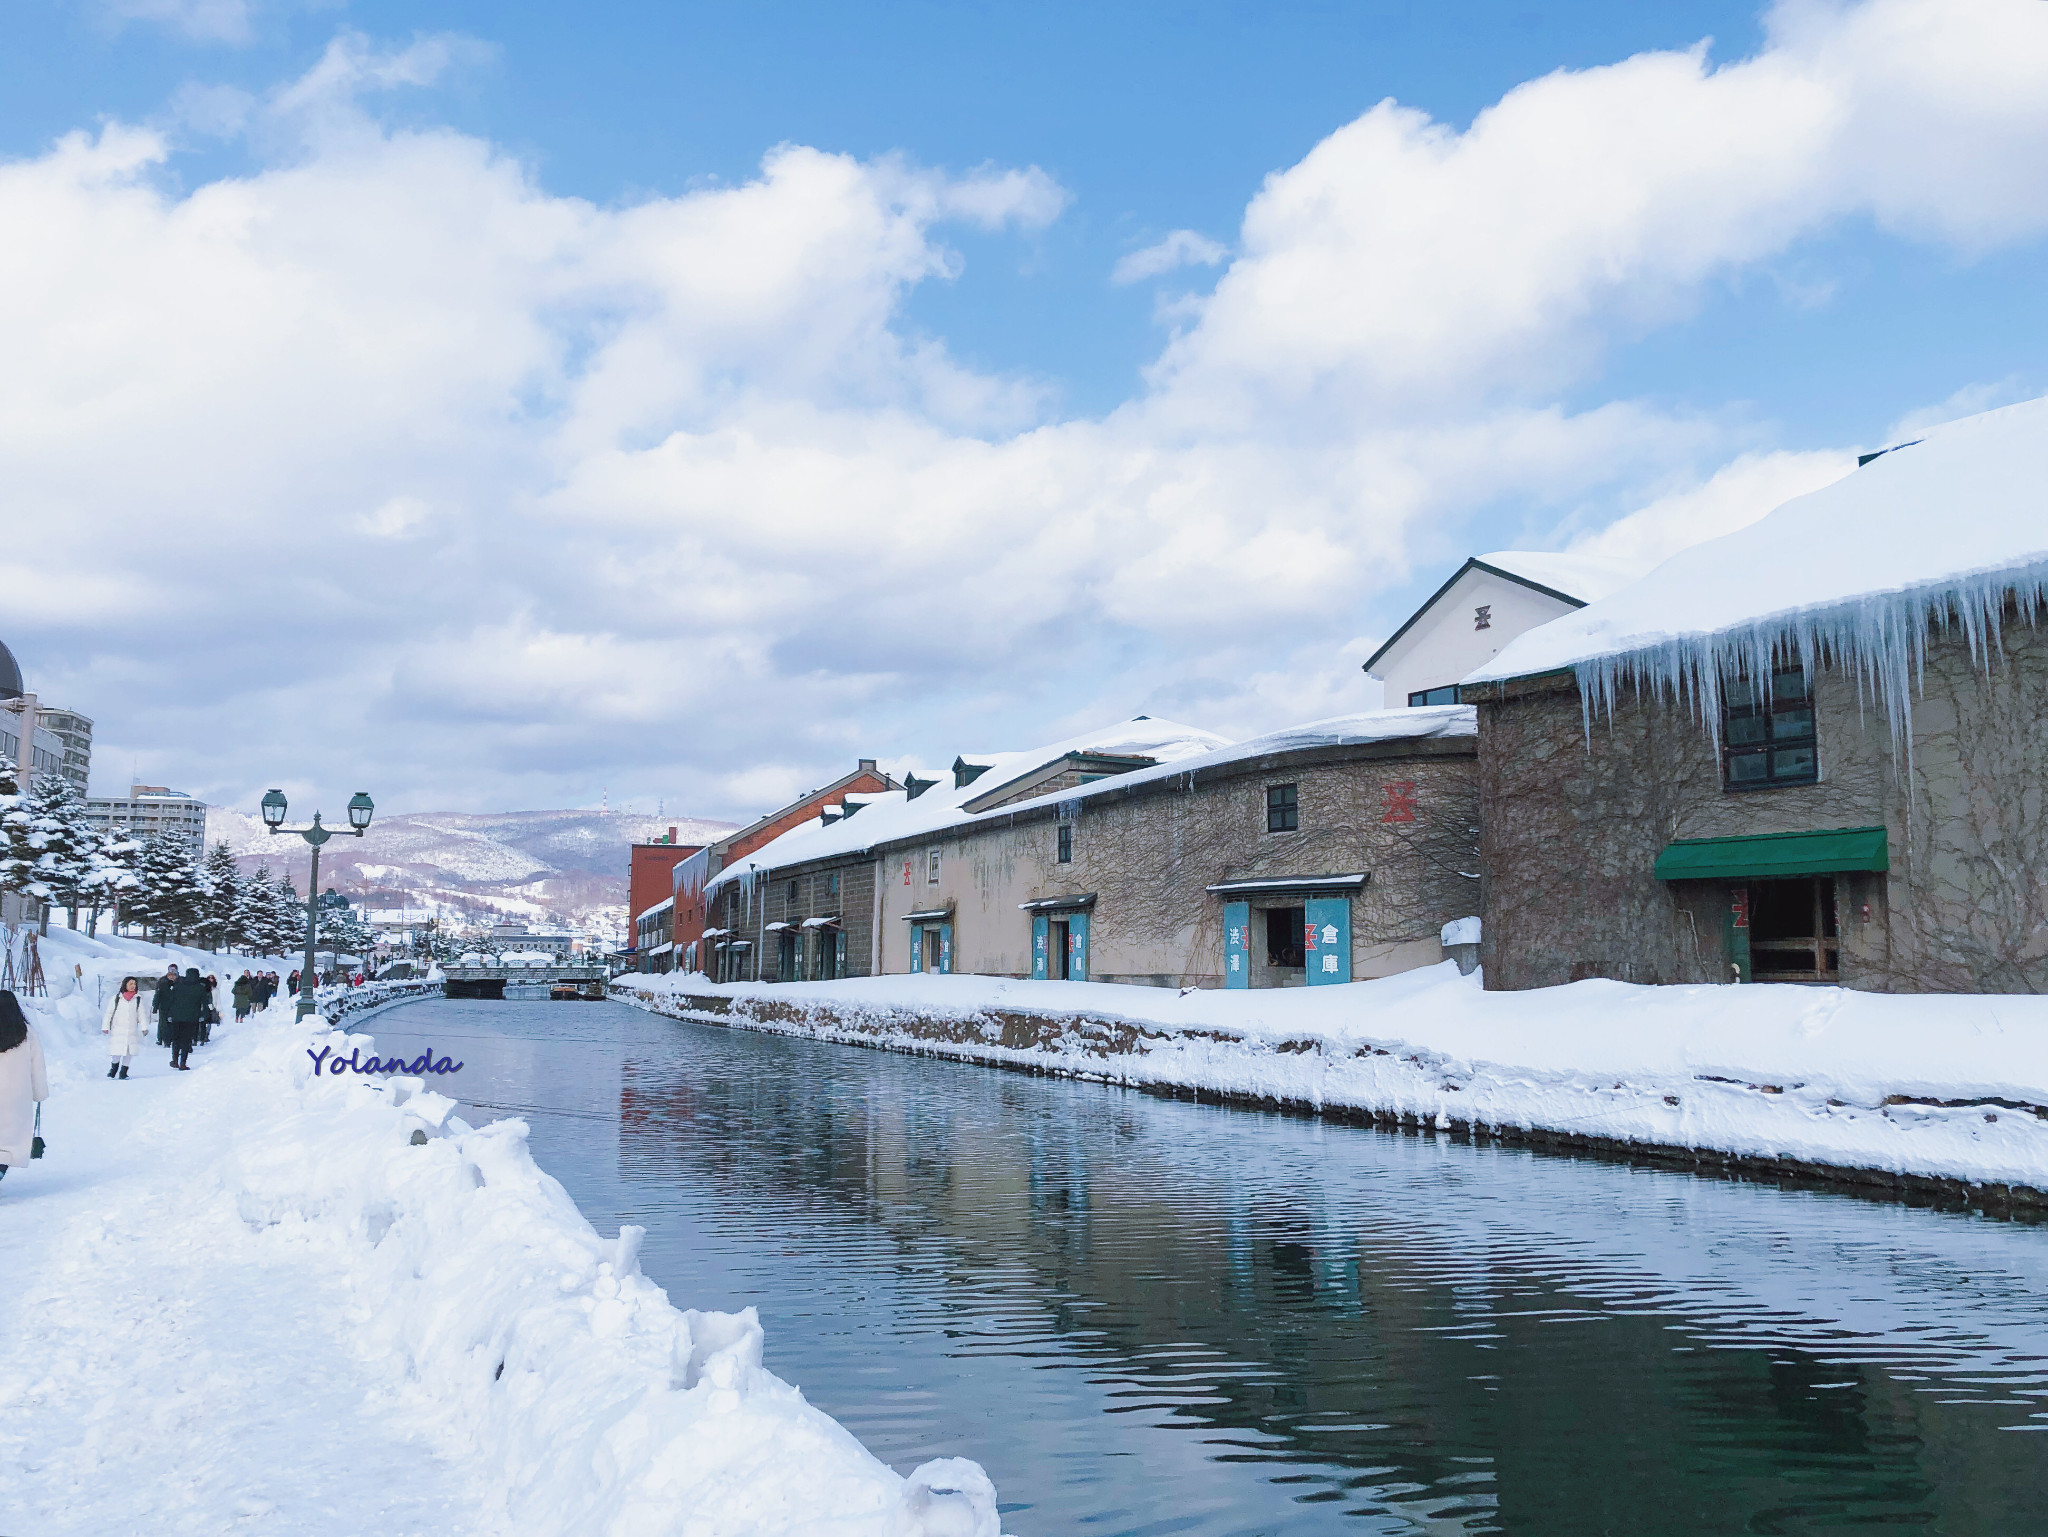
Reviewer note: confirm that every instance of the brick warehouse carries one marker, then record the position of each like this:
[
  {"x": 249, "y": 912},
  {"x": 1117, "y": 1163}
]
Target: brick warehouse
[{"x": 1328, "y": 853}]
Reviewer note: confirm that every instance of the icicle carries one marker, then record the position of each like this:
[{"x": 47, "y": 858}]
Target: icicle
[{"x": 1881, "y": 639}]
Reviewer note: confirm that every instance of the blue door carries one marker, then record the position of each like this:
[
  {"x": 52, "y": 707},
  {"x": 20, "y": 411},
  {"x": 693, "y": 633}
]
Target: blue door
[
  {"x": 1326, "y": 940},
  {"x": 1040, "y": 927},
  {"x": 917, "y": 947},
  {"x": 1077, "y": 946},
  {"x": 1237, "y": 944},
  {"x": 946, "y": 948}
]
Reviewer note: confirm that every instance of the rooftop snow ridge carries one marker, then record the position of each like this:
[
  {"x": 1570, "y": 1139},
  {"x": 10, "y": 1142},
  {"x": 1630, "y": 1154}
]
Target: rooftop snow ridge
[
  {"x": 1948, "y": 532},
  {"x": 1184, "y": 751},
  {"x": 894, "y": 815}
]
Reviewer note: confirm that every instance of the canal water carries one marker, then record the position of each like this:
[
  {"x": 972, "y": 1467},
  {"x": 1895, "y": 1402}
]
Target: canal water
[{"x": 1145, "y": 1316}]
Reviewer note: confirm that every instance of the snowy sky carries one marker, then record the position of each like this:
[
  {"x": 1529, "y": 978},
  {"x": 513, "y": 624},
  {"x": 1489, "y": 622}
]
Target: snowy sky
[{"x": 491, "y": 406}]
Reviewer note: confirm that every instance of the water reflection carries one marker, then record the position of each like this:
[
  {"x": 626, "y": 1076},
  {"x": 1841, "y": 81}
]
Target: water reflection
[{"x": 1147, "y": 1316}]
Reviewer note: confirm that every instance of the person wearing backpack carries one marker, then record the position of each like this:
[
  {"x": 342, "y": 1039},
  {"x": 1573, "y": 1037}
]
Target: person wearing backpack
[
  {"x": 123, "y": 1026},
  {"x": 24, "y": 1085}
]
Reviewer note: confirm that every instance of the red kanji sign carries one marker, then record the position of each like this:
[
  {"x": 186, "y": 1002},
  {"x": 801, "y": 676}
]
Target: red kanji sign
[
  {"x": 906, "y": 872},
  {"x": 1400, "y": 805}
]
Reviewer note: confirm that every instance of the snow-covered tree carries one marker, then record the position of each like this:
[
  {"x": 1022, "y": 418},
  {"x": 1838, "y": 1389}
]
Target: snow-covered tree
[
  {"x": 166, "y": 896},
  {"x": 343, "y": 931},
  {"x": 111, "y": 877},
  {"x": 287, "y": 917},
  {"x": 220, "y": 897},
  {"x": 48, "y": 843}
]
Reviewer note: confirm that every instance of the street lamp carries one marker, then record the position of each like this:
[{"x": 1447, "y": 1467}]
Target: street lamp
[{"x": 360, "y": 810}]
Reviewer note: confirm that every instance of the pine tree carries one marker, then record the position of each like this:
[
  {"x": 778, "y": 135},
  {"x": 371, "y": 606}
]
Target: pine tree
[
  {"x": 167, "y": 888},
  {"x": 220, "y": 895},
  {"x": 49, "y": 842},
  {"x": 111, "y": 878},
  {"x": 287, "y": 917}
]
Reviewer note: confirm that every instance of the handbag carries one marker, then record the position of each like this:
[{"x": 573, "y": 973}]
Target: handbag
[{"x": 35, "y": 1148}]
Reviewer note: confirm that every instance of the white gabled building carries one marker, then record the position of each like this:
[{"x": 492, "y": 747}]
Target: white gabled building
[{"x": 1489, "y": 601}]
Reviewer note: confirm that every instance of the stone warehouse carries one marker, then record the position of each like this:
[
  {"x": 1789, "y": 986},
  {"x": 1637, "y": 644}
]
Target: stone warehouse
[
  {"x": 1324, "y": 854},
  {"x": 1815, "y": 750}
]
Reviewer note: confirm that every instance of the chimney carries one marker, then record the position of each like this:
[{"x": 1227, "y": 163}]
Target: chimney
[
  {"x": 866, "y": 765},
  {"x": 671, "y": 835}
]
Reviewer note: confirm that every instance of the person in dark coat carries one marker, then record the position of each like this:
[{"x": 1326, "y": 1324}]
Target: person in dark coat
[
  {"x": 292, "y": 982},
  {"x": 244, "y": 996},
  {"x": 187, "y": 1011},
  {"x": 160, "y": 1004}
]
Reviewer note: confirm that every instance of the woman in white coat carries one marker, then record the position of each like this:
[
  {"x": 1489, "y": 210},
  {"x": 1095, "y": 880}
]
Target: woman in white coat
[
  {"x": 24, "y": 1081},
  {"x": 123, "y": 1027}
]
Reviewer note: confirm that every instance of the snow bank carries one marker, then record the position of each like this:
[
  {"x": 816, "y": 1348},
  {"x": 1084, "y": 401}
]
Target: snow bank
[
  {"x": 1947, "y": 1087},
  {"x": 520, "y": 1345}
]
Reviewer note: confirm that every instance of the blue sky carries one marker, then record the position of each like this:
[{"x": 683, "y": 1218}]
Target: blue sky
[{"x": 1816, "y": 317}]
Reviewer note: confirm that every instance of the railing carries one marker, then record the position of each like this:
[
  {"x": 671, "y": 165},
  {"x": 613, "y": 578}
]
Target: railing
[{"x": 337, "y": 1003}]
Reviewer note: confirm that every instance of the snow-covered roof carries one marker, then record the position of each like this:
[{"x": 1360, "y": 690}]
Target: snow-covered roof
[
  {"x": 1968, "y": 500},
  {"x": 1585, "y": 577},
  {"x": 1442, "y": 720},
  {"x": 892, "y": 818},
  {"x": 885, "y": 818},
  {"x": 1948, "y": 528}
]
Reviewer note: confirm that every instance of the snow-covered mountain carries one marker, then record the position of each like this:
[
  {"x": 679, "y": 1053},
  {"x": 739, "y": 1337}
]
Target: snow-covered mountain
[{"x": 567, "y": 866}]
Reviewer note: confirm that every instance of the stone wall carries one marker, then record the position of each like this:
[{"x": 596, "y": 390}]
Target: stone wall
[
  {"x": 1148, "y": 852},
  {"x": 1572, "y": 827}
]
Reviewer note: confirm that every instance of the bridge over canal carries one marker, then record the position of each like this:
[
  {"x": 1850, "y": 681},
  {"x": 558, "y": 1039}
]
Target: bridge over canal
[{"x": 565, "y": 979}]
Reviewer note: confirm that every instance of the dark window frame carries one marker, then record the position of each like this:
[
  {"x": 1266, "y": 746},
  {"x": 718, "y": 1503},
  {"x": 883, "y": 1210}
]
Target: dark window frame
[
  {"x": 1448, "y": 694},
  {"x": 1066, "y": 843},
  {"x": 1770, "y": 744},
  {"x": 1283, "y": 808}
]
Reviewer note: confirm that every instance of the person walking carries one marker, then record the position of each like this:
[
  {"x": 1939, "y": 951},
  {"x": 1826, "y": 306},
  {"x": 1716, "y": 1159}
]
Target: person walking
[
  {"x": 24, "y": 1083},
  {"x": 123, "y": 1027},
  {"x": 162, "y": 1003},
  {"x": 292, "y": 982},
  {"x": 211, "y": 1016},
  {"x": 188, "y": 1013},
  {"x": 244, "y": 996}
]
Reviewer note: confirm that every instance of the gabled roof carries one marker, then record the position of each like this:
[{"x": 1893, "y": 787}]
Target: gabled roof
[
  {"x": 866, "y": 768},
  {"x": 1571, "y": 579},
  {"x": 890, "y": 817}
]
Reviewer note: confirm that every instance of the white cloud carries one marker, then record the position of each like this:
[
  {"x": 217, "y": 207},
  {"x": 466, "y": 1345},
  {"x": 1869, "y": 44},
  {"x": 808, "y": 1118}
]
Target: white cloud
[
  {"x": 1182, "y": 248},
  {"x": 205, "y": 21},
  {"x": 1967, "y": 401},
  {"x": 1735, "y": 496},
  {"x": 383, "y": 460}
]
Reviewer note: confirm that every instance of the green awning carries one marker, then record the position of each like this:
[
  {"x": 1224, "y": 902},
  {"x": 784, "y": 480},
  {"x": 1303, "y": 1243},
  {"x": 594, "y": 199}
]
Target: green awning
[{"x": 1831, "y": 851}]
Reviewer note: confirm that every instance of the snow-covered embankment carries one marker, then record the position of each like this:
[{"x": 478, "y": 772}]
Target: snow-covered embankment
[
  {"x": 549, "y": 1384},
  {"x": 1886, "y": 1091}
]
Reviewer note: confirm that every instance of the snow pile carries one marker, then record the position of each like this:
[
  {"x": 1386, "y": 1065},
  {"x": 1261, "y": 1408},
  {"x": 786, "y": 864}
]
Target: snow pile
[
  {"x": 1943, "y": 532},
  {"x": 1951, "y": 1086},
  {"x": 525, "y": 1341},
  {"x": 463, "y": 1302}
]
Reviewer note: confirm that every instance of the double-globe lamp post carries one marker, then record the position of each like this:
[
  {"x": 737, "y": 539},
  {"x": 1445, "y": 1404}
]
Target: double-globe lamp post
[{"x": 360, "y": 810}]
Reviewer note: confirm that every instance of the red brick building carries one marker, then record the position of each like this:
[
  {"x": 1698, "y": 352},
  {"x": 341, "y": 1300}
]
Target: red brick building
[
  {"x": 686, "y": 925},
  {"x": 650, "y": 878}
]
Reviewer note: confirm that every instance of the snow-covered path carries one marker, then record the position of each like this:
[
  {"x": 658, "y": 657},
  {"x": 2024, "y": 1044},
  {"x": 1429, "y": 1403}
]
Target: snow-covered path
[
  {"x": 291, "y": 1292},
  {"x": 166, "y": 1368}
]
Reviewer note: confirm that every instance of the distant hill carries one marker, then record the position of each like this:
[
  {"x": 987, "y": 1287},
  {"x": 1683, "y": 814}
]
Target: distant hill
[{"x": 568, "y": 866}]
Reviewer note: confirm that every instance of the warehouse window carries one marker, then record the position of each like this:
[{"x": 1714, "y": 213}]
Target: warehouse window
[
  {"x": 1769, "y": 741},
  {"x": 1448, "y": 694},
  {"x": 1066, "y": 843},
  {"x": 1283, "y": 813}
]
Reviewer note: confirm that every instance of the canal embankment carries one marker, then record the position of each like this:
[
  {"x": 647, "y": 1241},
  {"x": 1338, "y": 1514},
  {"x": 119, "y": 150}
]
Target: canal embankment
[{"x": 1941, "y": 1098}]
